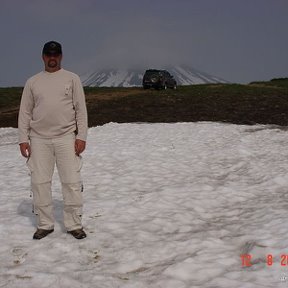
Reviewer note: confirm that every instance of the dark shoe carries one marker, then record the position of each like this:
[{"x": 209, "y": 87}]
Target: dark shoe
[
  {"x": 41, "y": 233},
  {"x": 78, "y": 233}
]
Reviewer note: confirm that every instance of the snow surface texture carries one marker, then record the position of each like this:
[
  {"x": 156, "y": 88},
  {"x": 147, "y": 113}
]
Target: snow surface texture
[
  {"x": 166, "y": 206},
  {"x": 133, "y": 77}
]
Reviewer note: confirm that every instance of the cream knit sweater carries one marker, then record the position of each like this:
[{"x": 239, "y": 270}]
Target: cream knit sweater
[{"x": 52, "y": 105}]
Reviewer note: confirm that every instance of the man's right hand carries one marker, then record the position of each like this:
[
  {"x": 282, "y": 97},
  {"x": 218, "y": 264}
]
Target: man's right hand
[{"x": 25, "y": 149}]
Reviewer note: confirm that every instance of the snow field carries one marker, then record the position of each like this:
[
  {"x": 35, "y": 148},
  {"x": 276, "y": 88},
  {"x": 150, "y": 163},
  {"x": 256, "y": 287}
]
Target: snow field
[{"x": 166, "y": 205}]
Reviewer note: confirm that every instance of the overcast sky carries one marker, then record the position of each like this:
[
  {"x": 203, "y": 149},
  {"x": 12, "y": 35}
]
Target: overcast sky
[{"x": 238, "y": 40}]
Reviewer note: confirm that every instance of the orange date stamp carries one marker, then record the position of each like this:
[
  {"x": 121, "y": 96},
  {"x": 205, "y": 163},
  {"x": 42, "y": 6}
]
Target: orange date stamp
[{"x": 246, "y": 260}]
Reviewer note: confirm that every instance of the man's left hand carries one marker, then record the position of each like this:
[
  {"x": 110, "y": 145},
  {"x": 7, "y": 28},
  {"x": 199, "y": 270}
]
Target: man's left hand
[{"x": 80, "y": 146}]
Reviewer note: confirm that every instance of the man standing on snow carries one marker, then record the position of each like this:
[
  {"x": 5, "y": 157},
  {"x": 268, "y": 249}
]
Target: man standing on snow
[{"x": 52, "y": 127}]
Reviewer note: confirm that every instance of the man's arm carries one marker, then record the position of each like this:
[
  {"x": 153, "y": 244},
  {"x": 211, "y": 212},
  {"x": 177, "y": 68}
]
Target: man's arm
[
  {"x": 24, "y": 118},
  {"x": 81, "y": 116}
]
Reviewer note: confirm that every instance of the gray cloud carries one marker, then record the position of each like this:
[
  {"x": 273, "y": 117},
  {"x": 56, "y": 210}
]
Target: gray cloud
[{"x": 240, "y": 41}]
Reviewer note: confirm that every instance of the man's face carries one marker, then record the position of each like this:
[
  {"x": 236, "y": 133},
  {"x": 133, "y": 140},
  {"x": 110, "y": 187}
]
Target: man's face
[{"x": 52, "y": 61}]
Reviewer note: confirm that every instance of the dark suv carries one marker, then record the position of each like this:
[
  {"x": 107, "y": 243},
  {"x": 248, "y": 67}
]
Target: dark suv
[{"x": 158, "y": 79}]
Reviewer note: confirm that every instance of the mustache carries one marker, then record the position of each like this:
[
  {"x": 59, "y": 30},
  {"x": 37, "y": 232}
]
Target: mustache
[{"x": 52, "y": 63}]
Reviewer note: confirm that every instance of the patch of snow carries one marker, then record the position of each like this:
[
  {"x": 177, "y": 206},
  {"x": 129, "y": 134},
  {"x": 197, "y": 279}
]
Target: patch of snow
[{"x": 166, "y": 205}]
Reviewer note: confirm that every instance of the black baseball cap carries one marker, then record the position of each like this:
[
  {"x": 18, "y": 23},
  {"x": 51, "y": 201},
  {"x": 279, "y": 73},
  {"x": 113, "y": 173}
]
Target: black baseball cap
[{"x": 52, "y": 47}]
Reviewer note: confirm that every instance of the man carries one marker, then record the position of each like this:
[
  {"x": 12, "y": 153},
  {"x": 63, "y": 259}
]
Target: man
[{"x": 52, "y": 127}]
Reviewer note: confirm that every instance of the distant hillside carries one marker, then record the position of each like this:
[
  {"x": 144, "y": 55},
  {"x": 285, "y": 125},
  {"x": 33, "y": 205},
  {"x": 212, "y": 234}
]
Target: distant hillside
[
  {"x": 276, "y": 82},
  {"x": 184, "y": 75}
]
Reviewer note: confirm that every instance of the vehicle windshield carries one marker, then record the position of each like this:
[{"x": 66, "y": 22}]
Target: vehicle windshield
[{"x": 150, "y": 72}]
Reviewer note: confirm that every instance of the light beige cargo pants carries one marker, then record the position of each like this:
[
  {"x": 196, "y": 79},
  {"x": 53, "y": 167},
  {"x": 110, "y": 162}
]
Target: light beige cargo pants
[{"x": 45, "y": 153}]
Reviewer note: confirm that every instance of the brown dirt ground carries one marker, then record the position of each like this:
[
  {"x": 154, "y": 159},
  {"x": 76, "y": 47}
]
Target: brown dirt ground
[{"x": 138, "y": 105}]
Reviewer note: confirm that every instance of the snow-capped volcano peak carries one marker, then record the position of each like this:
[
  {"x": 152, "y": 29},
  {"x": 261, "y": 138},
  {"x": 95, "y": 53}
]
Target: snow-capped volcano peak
[
  {"x": 114, "y": 78},
  {"x": 184, "y": 75}
]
